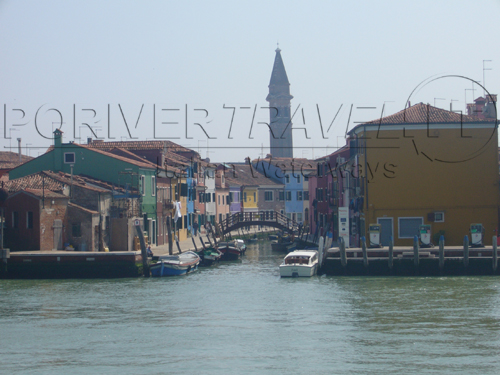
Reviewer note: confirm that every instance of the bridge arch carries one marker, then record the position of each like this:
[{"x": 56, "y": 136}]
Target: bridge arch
[{"x": 263, "y": 218}]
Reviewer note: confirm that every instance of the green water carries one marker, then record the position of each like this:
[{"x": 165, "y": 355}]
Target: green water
[{"x": 241, "y": 318}]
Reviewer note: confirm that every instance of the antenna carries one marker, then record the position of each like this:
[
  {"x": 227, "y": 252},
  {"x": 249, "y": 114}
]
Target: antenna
[
  {"x": 438, "y": 99},
  {"x": 484, "y": 82},
  {"x": 451, "y": 104}
]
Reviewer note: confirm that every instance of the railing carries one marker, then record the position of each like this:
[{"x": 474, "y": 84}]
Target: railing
[{"x": 267, "y": 218}]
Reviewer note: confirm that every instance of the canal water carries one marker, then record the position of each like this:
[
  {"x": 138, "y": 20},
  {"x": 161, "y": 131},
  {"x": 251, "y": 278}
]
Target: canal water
[{"x": 241, "y": 318}]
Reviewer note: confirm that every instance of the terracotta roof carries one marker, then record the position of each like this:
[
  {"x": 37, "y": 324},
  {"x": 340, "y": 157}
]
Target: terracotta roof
[
  {"x": 246, "y": 175},
  {"x": 138, "y": 145},
  {"x": 47, "y": 193},
  {"x": 10, "y": 159},
  {"x": 81, "y": 181},
  {"x": 298, "y": 164},
  {"x": 38, "y": 180},
  {"x": 424, "y": 113}
]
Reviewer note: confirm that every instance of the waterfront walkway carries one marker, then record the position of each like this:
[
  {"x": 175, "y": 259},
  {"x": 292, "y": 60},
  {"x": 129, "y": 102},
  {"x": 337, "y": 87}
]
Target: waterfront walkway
[{"x": 187, "y": 244}]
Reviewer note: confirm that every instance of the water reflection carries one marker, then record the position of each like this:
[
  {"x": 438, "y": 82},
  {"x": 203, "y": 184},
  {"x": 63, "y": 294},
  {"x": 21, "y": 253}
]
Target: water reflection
[{"x": 242, "y": 317}]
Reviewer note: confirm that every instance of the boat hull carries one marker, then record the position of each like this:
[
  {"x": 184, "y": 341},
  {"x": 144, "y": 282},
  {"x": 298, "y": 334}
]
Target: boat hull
[
  {"x": 181, "y": 264},
  {"x": 230, "y": 253},
  {"x": 293, "y": 270}
]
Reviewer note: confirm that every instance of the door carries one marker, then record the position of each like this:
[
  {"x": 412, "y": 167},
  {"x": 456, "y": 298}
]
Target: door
[
  {"x": 58, "y": 244},
  {"x": 386, "y": 230}
]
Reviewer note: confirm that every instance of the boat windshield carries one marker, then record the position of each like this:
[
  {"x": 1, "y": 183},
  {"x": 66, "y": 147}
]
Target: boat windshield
[{"x": 297, "y": 260}]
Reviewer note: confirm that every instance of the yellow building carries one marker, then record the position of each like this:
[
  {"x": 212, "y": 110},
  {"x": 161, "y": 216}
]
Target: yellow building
[{"x": 424, "y": 165}]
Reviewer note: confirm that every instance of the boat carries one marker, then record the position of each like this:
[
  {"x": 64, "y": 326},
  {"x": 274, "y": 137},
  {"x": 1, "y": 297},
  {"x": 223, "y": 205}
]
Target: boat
[
  {"x": 231, "y": 250},
  {"x": 209, "y": 256},
  {"x": 175, "y": 265},
  {"x": 253, "y": 239},
  {"x": 282, "y": 243},
  {"x": 241, "y": 245},
  {"x": 273, "y": 237},
  {"x": 300, "y": 263}
]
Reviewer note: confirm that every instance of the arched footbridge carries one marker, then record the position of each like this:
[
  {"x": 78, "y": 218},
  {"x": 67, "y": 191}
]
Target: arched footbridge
[{"x": 262, "y": 218}]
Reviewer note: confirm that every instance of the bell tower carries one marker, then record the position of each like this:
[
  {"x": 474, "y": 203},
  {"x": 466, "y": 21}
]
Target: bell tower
[{"x": 280, "y": 121}]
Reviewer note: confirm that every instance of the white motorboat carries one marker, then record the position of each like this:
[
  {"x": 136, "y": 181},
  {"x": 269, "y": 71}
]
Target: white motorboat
[{"x": 300, "y": 263}]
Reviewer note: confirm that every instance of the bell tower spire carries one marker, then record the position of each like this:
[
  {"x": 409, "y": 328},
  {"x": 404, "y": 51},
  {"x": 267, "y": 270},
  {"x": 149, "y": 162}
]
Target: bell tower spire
[{"x": 280, "y": 122}]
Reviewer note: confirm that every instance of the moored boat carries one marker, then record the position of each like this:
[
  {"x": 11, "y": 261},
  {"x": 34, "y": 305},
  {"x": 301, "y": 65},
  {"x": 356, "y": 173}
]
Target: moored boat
[
  {"x": 175, "y": 265},
  {"x": 282, "y": 243},
  {"x": 231, "y": 250},
  {"x": 300, "y": 263},
  {"x": 209, "y": 256}
]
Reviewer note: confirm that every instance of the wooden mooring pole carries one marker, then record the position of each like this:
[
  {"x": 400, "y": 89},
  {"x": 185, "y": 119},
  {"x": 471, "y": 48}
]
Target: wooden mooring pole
[
  {"x": 144, "y": 253},
  {"x": 441, "y": 252},
  {"x": 415, "y": 251},
  {"x": 391, "y": 253},
  {"x": 466, "y": 251},
  {"x": 365, "y": 252},
  {"x": 495, "y": 253},
  {"x": 343, "y": 255}
]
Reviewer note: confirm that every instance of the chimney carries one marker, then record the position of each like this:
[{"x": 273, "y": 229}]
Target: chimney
[{"x": 19, "y": 149}]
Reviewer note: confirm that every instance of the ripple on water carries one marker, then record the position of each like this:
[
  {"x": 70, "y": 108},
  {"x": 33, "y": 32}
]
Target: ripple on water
[{"x": 241, "y": 317}]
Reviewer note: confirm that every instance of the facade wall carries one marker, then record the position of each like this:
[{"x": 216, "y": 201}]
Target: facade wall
[
  {"x": 48, "y": 216},
  {"x": 270, "y": 205},
  {"x": 250, "y": 199},
  {"x": 22, "y": 238},
  {"x": 446, "y": 173},
  {"x": 222, "y": 198},
  {"x": 235, "y": 204},
  {"x": 87, "y": 239}
]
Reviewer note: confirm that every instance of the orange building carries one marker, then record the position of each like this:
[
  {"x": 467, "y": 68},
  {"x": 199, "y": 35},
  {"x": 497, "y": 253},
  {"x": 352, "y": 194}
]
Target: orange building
[{"x": 424, "y": 165}]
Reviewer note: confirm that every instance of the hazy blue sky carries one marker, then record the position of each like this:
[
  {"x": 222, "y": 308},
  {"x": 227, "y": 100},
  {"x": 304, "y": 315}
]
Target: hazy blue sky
[{"x": 179, "y": 57}]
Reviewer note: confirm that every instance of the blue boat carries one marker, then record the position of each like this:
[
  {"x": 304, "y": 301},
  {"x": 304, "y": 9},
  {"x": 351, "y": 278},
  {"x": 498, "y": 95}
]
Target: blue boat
[{"x": 175, "y": 265}]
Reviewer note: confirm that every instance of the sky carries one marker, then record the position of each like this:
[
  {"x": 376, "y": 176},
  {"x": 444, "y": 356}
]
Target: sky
[{"x": 197, "y": 73}]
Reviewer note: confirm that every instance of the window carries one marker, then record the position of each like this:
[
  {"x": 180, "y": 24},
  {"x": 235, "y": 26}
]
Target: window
[
  {"x": 213, "y": 197},
  {"x": 298, "y": 179},
  {"x": 306, "y": 195},
  {"x": 268, "y": 196},
  {"x": 230, "y": 197},
  {"x": 184, "y": 190},
  {"x": 306, "y": 178},
  {"x": 288, "y": 195},
  {"x": 299, "y": 217},
  {"x": 207, "y": 197},
  {"x": 143, "y": 185},
  {"x": 15, "y": 219},
  {"x": 408, "y": 226},
  {"x": 153, "y": 186},
  {"x": 29, "y": 220},
  {"x": 244, "y": 196},
  {"x": 227, "y": 200},
  {"x": 69, "y": 157},
  {"x": 76, "y": 230},
  {"x": 223, "y": 199},
  {"x": 439, "y": 217},
  {"x": 299, "y": 195},
  {"x": 202, "y": 197},
  {"x": 218, "y": 199},
  {"x": 319, "y": 195},
  {"x": 254, "y": 196},
  {"x": 287, "y": 179},
  {"x": 281, "y": 196}
]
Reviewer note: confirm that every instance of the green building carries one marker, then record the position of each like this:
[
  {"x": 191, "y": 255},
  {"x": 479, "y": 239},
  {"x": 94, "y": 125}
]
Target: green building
[{"x": 78, "y": 159}]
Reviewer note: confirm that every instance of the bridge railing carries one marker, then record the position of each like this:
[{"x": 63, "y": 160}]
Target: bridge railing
[{"x": 271, "y": 218}]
